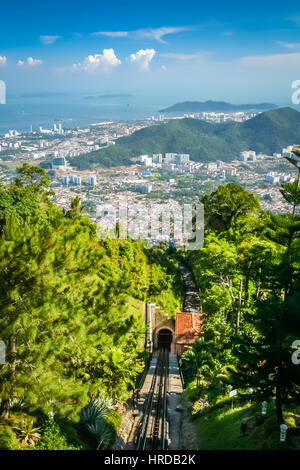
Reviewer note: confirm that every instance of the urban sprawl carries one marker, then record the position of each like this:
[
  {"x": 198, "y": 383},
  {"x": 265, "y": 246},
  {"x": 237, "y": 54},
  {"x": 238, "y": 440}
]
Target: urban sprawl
[{"x": 159, "y": 177}]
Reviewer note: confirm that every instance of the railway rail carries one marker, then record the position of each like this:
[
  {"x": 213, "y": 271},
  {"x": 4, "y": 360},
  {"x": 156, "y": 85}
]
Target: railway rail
[{"x": 153, "y": 427}]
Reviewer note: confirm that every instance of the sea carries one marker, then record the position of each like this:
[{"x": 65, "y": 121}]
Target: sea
[{"x": 23, "y": 111}]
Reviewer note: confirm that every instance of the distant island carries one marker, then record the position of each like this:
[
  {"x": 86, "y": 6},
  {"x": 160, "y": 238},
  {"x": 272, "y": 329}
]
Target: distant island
[
  {"x": 215, "y": 106},
  {"x": 38, "y": 95},
  {"x": 105, "y": 97}
]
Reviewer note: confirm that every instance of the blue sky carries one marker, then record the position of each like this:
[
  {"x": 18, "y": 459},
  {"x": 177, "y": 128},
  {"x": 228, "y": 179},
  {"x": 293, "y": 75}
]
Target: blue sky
[{"x": 236, "y": 51}]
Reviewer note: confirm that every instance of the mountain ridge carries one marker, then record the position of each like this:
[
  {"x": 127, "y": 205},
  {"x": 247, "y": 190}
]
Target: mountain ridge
[
  {"x": 267, "y": 132},
  {"x": 215, "y": 106}
]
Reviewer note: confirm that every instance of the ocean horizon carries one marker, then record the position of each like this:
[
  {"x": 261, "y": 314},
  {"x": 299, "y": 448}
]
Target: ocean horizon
[{"x": 22, "y": 112}]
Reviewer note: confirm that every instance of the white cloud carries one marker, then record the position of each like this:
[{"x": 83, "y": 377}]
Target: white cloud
[
  {"x": 176, "y": 56},
  {"x": 112, "y": 34},
  {"x": 105, "y": 61},
  {"x": 30, "y": 62},
  {"x": 283, "y": 60},
  {"x": 143, "y": 58},
  {"x": 33, "y": 62},
  {"x": 159, "y": 33},
  {"x": 47, "y": 40},
  {"x": 289, "y": 45},
  {"x": 152, "y": 33},
  {"x": 3, "y": 60}
]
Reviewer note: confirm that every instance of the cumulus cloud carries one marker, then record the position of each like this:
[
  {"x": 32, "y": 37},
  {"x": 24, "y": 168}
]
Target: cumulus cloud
[
  {"x": 283, "y": 60},
  {"x": 47, "y": 40},
  {"x": 143, "y": 58},
  {"x": 112, "y": 34},
  {"x": 31, "y": 62},
  {"x": 105, "y": 61},
  {"x": 3, "y": 60}
]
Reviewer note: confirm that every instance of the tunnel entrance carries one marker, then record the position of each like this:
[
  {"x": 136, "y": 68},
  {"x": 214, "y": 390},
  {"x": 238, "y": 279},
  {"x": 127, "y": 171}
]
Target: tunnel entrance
[{"x": 165, "y": 338}]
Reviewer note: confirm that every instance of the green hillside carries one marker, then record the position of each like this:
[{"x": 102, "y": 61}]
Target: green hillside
[{"x": 268, "y": 132}]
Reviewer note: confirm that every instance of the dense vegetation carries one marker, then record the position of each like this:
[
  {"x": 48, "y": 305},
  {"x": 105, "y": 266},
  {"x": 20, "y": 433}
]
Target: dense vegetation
[
  {"x": 71, "y": 317},
  {"x": 249, "y": 277},
  {"x": 268, "y": 132},
  {"x": 71, "y": 311}
]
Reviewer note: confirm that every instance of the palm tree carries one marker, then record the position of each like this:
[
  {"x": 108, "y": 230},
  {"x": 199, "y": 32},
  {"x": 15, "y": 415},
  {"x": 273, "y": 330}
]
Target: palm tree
[
  {"x": 199, "y": 359},
  {"x": 291, "y": 191}
]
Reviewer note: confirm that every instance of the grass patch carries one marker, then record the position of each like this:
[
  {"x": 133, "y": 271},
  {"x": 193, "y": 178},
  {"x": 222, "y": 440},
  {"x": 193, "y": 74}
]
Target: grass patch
[{"x": 220, "y": 429}]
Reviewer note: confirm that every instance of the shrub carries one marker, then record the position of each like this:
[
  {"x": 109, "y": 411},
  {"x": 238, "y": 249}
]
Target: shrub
[
  {"x": 199, "y": 406},
  {"x": 7, "y": 437},
  {"x": 54, "y": 439},
  {"x": 115, "y": 419},
  {"x": 290, "y": 421},
  {"x": 70, "y": 431}
]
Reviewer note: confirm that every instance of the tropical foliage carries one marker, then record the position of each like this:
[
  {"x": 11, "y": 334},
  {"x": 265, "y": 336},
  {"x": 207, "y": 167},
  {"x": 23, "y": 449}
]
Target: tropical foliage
[
  {"x": 71, "y": 304},
  {"x": 249, "y": 277}
]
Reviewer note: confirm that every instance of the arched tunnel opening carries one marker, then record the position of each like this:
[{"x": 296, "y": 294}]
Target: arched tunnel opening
[{"x": 165, "y": 339}]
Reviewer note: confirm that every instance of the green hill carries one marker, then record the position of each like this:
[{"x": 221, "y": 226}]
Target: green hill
[{"x": 267, "y": 132}]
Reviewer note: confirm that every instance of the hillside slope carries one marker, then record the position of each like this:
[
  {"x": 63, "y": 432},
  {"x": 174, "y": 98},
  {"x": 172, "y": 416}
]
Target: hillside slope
[{"x": 267, "y": 132}]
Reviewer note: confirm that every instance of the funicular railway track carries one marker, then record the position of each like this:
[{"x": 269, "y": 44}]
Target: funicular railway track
[
  {"x": 191, "y": 302},
  {"x": 153, "y": 429}
]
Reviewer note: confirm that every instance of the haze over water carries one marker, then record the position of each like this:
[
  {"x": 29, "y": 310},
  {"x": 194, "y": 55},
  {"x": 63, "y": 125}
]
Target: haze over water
[{"x": 72, "y": 110}]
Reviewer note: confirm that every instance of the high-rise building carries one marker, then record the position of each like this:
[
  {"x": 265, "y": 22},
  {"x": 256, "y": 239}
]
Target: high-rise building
[
  {"x": 77, "y": 180},
  {"x": 92, "y": 180},
  {"x": 157, "y": 157},
  {"x": 146, "y": 160},
  {"x": 143, "y": 188}
]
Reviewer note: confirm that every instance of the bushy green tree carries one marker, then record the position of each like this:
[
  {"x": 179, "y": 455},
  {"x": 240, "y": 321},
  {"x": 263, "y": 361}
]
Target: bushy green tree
[{"x": 65, "y": 302}]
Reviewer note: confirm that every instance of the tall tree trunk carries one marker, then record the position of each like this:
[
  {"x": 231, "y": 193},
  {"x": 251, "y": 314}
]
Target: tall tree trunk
[
  {"x": 5, "y": 404},
  {"x": 4, "y": 409},
  {"x": 295, "y": 205},
  {"x": 279, "y": 412},
  {"x": 258, "y": 283},
  {"x": 238, "y": 314},
  {"x": 246, "y": 290}
]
